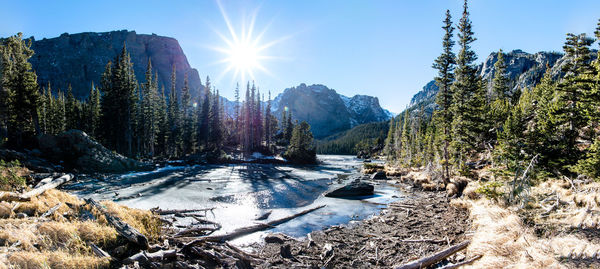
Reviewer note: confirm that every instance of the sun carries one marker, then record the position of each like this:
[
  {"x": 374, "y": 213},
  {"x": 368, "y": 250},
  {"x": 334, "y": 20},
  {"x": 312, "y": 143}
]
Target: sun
[
  {"x": 244, "y": 51},
  {"x": 244, "y": 58}
]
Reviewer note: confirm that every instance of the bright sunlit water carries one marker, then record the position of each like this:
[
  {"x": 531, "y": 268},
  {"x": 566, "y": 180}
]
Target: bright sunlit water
[{"x": 241, "y": 193}]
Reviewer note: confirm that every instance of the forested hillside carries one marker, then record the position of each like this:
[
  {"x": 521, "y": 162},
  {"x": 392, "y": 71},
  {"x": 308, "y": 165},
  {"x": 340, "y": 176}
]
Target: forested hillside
[
  {"x": 138, "y": 117},
  {"x": 509, "y": 121},
  {"x": 367, "y": 137}
]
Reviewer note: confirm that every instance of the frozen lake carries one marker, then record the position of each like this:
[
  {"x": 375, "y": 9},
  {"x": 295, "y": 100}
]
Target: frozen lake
[{"x": 242, "y": 192}]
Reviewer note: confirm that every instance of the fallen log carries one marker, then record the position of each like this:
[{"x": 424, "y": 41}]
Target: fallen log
[
  {"x": 12, "y": 196},
  {"x": 122, "y": 228},
  {"x": 465, "y": 262},
  {"x": 99, "y": 252},
  {"x": 436, "y": 257},
  {"x": 51, "y": 210},
  {"x": 43, "y": 182},
  {"x": 195, "y": 231},
  {"x": 250, "y": 229},
  {"x": 176, "y": 211},
  {"x": 50, "y": 185}
]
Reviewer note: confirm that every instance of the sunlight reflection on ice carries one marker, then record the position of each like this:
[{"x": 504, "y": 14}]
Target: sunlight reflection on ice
[{"x": 241, "y": 193}]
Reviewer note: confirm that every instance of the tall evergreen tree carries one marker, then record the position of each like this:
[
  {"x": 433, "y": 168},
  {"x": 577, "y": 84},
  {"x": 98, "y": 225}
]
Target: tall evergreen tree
[
  {"x": 119, "y": 104},
  {"x": 174, "y": 122},
  {"x": 203, "y": 115},
  {"x": 576, "y": 87},
  {"x": 189, "y": 128},
  {"x": 94, "y": 109},
  {"x": 467, "y": 95},
  {"x": 20, "y": 93},
  {"x": 71, "y": 110},
  {"x": 445, "y": 65}
]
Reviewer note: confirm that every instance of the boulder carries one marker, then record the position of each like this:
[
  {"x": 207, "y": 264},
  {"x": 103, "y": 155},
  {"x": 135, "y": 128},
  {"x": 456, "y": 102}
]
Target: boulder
[
  {"x": 379, "y": 175},
  {"x": 77, "y": 151},
  {"x": 356, "y": 188},
  {"x": 32, "y": 161}
]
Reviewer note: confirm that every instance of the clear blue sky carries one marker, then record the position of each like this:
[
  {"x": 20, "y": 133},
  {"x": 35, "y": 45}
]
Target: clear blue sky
[{"x": 380, "y": 48}]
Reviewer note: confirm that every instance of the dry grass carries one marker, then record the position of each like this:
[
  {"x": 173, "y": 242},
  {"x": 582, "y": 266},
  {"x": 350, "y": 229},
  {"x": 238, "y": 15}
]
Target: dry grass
[
  {"x": 505, "y": 242},
  {"x": 143, "y": 220},
  {"x": 40, "y": 204},
  {"x": 62, "y": 240},
  {"x": 55, "y": 259}
]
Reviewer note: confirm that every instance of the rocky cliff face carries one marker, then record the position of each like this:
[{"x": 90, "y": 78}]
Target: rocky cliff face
[
  {"x": 326, "y": 111},
  {"x": 525, "y": 70},
  {"x": 80, "y": 59}
]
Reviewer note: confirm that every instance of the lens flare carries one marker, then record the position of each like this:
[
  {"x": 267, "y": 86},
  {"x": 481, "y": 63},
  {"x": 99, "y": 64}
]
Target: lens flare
[{"x": 244, "y": 50}]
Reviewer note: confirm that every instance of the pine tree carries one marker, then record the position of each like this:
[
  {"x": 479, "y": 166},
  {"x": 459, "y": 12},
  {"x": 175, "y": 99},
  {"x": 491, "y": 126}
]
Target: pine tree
[
  {"x": 20, "y": 93},
  {"x": 575, "y": 88},
  {"x": 173, "y": 119},
  {"x": 59, "y": 119},
  {"x": 163, "y": 122},
  {"x": 467, "y": 95},
  {"x": 500, "y": 89},
  {"x": 237, "y": 115},
  {"x": 405, "y": 140},
  {"x": 189, "y": 128},
  {"x": 44, "y": 109},
  {"x": 500, "y": 102},
  {"x": 445, "y": 65},
  {"x": 150, "y": 113},
  {"x": 301, "y": 148},
  {"x": 268, "y": 123},
  {"x": 119, "y": 104},
  {"x": 203, "y": 116},
  {"x": 94, "y": 109},
  {"x": 71, "y": 110},
  {"x": 589, "y": 164}
]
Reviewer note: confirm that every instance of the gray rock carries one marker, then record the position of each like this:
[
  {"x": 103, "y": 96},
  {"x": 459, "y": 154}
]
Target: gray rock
[
  {"x": 356, "y": 188},
  {"x": 379, "y": 175},
  {"x": 79, "y": 59},
  {"x": 77, "y": 151}
]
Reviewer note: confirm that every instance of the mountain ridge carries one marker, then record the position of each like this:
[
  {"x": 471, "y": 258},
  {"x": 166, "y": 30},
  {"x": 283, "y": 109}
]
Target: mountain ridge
[{"x": 524, "y": 70}]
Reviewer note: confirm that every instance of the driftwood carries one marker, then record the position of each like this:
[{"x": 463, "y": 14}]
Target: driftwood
[
  {"x": 195, "y": 231},
  {"x": 122, "y": 228},
  {"x": 51, "y": 210},
  {"x": 13, "y": 196},
  {"x": 465, "y": 262},
  {"x": 250, "y": 229},
  {"x": 178, "y": 211},
  {"x": 43, "y": 181},
  {"x": 436, "y": 257},
  {"x": 99, "y": 252}
]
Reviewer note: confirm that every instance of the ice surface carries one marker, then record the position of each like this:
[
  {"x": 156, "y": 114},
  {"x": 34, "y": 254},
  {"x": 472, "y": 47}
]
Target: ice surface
[{"x": 241, "y": 193}]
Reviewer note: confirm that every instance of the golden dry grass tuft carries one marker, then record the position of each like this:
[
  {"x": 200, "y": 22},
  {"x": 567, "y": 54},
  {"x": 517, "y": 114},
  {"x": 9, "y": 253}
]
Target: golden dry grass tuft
[
  {"x": 504, "y": 241},
  {"x": 62, "y": 240},
  {"x": 55, "y": 259},
  {"x": 42, "y": 203},
  {"x": 144, "y": 221},
  {"x": 5, "y": 210}
]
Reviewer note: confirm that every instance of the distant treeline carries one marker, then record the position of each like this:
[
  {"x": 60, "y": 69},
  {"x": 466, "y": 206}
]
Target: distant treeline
[{"x": 362, "y": 137}]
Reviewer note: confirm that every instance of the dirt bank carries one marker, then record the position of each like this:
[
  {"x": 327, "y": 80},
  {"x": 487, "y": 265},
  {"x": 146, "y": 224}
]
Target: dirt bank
[{"x": 413, "y": 228}]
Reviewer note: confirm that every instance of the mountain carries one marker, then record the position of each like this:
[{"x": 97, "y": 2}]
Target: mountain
[
  {"x": 80, "y": 59},
  {"x": 326, "y": 111},
  {"x": 524, "y": 70}
]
